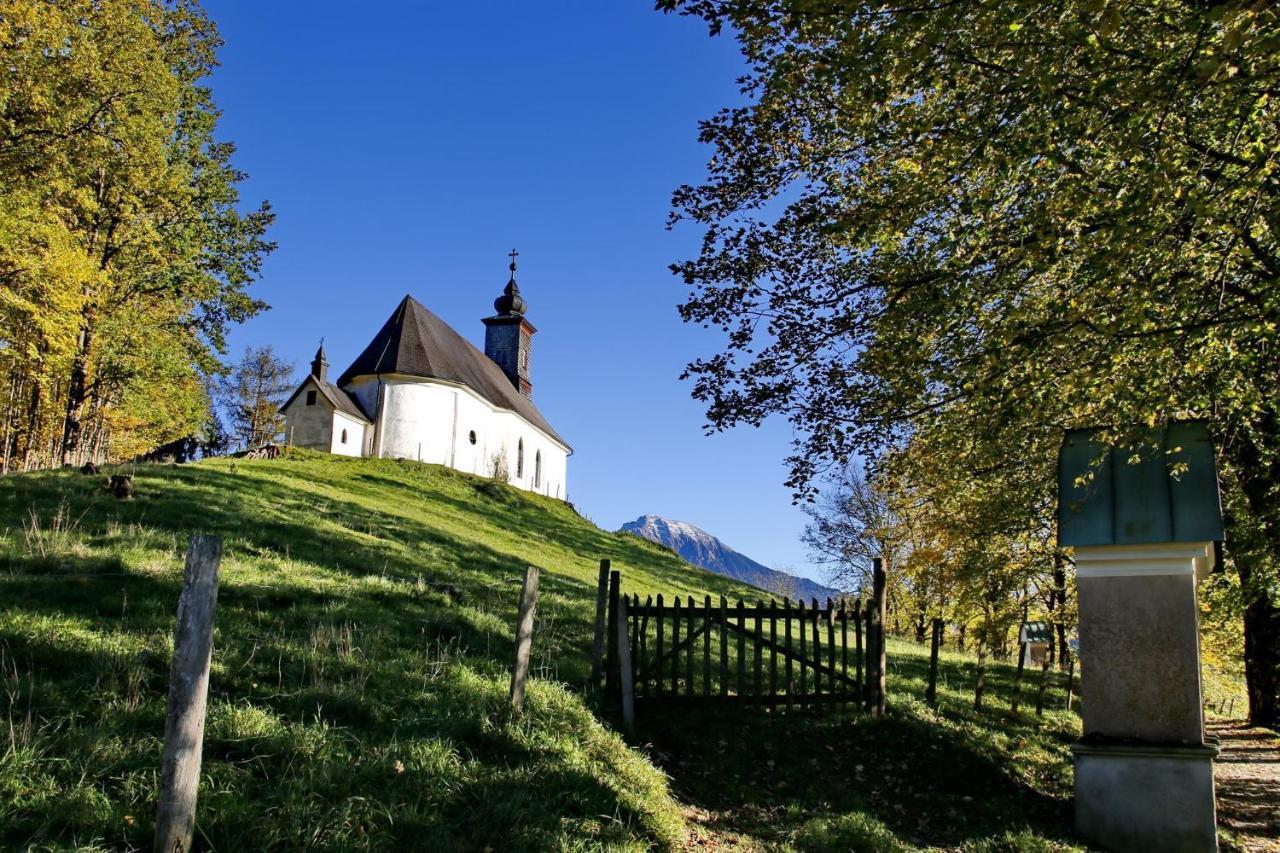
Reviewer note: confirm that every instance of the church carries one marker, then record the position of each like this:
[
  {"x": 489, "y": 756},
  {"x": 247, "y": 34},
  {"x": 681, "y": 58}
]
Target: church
[{"x": 421, "y": 391}]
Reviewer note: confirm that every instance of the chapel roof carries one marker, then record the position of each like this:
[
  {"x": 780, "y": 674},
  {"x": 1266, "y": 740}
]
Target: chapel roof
[
  {"x": 339, "y": 399},
  {"x": 415, "y": 342}
]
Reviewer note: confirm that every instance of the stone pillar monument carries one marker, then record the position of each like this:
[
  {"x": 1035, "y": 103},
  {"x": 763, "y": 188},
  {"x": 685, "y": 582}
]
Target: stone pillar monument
[{"x": 1145, "y": 523}]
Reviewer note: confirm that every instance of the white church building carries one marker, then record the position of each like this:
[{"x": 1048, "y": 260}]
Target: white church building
[{"x": 421, "y": 391}]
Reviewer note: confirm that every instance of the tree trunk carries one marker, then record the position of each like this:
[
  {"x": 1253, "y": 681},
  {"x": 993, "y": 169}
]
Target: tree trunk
[
  {"x": 33, "y": 422},
  {"x": 1261, "y": 650},
  {"x": 1257, "y": 471},
  {"x": 920, "y": 627},
  {"x": 76, "y": 394},
  {"x": 10, "y": 415},
  {"x": 1060, "y": 587}
]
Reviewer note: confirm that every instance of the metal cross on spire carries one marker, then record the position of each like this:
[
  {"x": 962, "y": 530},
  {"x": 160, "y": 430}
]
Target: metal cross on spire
[{"x": 513, "y": 255}]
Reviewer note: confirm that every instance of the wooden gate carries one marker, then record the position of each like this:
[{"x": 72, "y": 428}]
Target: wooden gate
[{"x": 788, "y": 654}]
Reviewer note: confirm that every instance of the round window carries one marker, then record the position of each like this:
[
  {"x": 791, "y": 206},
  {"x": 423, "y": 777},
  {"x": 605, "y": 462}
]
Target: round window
[{"x": 471, "y": 436}]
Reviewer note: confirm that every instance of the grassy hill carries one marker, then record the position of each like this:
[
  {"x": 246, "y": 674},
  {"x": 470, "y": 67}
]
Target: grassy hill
[
  {"x": 359, "y": 678},
  {"x": 358, "y": 694}
]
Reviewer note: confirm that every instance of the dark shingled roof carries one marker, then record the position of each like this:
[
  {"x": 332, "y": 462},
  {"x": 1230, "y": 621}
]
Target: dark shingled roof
[
  {"x": 339, "y": 399},
  {"x": 415, "y": 342}
]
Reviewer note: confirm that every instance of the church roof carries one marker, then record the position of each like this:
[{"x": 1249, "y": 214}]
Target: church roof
[
  {"x": 415, "y": 342},
  {"x": 339, "y": 399}
]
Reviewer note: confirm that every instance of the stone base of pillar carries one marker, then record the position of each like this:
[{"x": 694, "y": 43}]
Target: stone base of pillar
[{"x": 1138, "y": 797}]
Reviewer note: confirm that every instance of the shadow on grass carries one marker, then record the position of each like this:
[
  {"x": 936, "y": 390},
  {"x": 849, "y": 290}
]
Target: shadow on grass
[{"x": 768, "y": 774}]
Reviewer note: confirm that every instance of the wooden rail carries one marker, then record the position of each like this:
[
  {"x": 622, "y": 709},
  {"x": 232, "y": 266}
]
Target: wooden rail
[{"x": 692, "y": 651}]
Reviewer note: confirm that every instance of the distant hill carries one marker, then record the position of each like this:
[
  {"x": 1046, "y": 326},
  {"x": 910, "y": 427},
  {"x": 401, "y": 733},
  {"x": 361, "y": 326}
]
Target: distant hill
[{"x": 706, "y": 551}]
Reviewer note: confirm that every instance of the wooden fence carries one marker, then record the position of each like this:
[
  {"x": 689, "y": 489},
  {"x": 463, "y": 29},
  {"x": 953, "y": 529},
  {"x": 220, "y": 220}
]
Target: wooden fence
[
  {"x": 699, "y": 651},
  {"x": 764, "y": 653}
]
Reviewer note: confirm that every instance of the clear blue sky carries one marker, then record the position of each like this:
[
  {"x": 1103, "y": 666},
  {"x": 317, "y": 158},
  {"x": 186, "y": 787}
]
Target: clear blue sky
[{"x": 407, "y": 147}]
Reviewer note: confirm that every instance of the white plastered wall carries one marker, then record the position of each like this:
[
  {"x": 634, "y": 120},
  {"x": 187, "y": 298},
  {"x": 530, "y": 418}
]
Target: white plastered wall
[
  {"x": 309, "y": 426},
  {"x": 355, "y": 444},
  {"x": 433, "y": 421}
]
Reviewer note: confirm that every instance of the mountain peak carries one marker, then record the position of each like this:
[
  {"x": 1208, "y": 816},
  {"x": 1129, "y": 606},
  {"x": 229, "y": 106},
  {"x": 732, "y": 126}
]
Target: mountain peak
[{"x": 700, "y": 548}]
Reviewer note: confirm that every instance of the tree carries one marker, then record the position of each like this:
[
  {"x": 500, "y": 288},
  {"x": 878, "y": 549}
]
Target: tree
[
  {"x": 254, "y": 392},
  {"x": 850, "y": 524},
  {"x": 123, "y": 253},
  {"x": 966, "y": 226}
]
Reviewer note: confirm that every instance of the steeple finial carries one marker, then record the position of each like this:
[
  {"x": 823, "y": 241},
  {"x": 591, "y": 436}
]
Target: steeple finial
[
  {"x": 320, "y": 364},
  {"x": 511, "y": 302}
]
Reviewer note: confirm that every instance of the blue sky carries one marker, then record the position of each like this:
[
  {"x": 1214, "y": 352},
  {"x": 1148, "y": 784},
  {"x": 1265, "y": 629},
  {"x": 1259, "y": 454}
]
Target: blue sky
[{"x": 407, "y": 147}]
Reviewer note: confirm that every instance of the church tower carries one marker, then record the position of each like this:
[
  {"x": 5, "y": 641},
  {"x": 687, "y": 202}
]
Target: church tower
[
  {"x": 320, "y": 364},
  {"x": 508, "y": 336}
]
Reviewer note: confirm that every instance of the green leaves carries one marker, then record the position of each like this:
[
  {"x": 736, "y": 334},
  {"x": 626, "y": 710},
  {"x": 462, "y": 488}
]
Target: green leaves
[{"x": 123, "y": 250}]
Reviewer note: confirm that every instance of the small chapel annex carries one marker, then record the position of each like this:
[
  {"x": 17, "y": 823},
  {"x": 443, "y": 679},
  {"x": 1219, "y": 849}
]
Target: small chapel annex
[{"x": 421, "y": 391}]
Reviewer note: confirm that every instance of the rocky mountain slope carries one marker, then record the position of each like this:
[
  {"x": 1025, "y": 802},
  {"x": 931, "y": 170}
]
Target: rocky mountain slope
[{"x": 706, "y": 551}]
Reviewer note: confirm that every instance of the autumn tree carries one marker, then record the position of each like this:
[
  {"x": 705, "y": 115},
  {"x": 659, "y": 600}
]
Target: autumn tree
[
  {"x": 966, "y": 226},
  {"x": 254, "y": 392},
  {"x": 124, "y": 255}
]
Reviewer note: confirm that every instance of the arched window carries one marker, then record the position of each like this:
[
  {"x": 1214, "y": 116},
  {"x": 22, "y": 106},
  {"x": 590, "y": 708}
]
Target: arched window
[
  {"x": 520, "y": 459},
  {"x": 537, "y": 469},
  {"x": 344, "y": 436}
]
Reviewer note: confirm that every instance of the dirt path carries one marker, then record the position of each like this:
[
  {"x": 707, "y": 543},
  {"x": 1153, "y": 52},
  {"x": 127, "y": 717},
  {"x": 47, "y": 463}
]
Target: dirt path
[{"x": 1248, "y": 780}]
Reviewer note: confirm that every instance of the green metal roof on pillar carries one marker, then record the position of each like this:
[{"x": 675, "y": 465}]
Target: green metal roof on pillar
[{"x": 1161, "y": 488}]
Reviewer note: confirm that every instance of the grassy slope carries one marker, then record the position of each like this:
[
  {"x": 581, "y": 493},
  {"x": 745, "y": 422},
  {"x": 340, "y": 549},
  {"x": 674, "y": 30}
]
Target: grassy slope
[
  {"x": 363, "y": 632},
  {"x": 358, "y": 694},
  {"x": 951, "y": 778}
]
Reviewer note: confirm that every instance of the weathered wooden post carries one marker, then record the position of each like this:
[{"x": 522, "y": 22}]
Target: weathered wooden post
[
  {"x": 1071, "y": 678},
  {"x": 931, "y": 692},
  {"x": 626, "y": 685},
  {"x": 524, "y": 637},
  {"x": 878, "y": 660},
  {"x": 1044, "y": 683},
  {"x": 1023, "y": 651},
  {"x": 188, "y": 693},
  {"x": 980, "y": 684},
  {"x": 1143, "y": 521},
  {"x": 611, "y": 662},
  {"x": 597, "y": 644}
]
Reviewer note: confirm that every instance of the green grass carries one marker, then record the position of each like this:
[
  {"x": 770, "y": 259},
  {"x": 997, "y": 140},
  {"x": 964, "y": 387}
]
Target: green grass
[
  {"x": 358, "y": 694},
  {"x": 951, "y": 778}
]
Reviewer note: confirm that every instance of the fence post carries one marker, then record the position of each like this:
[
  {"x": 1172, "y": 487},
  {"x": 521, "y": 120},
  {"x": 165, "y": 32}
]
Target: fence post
[
  {"x": 188, "y": 693},
  {"x": 931, "y": 692},
  {"x": 611, "y": 661},
  {"x": 1044, "y": 681},
  {"x": 597, "y": 645},
  {"x": 1071, "y": 672},
  {"x": 980, "y": 685},
  {"x": 706, "y": 647},
  {"x": 1017, "y": 674},
  {"x": 625, "y": 682},
  {"x": 880, "y": 581},
  {"x": 524, "y": 637}
]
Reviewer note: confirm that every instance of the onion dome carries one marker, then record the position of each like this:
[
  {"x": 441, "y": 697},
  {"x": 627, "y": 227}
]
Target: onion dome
[{"x": 511, "y": 302}]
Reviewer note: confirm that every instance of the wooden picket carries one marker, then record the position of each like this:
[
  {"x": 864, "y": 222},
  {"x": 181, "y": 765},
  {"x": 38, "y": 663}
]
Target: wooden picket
[{"x": 693, "y": 651}]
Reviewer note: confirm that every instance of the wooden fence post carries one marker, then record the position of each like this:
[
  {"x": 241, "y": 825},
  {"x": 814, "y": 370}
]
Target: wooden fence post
[
  {"x": 626, "y": 685},
  {"x": 879, "y": 582},
  {"x": 931, "y": 692},
  {"x": 611, "y": 662},
  {"x": 1071, "y": 673},
  {"x": 188, "y": 693},
  {"x": 980, "y": 685},
  {"x": 1044, "y": 682},
  {"x": 1017, "y": 674},
  {"x": 597, "y": 645},
  {"x": 524, "y": 637}
]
